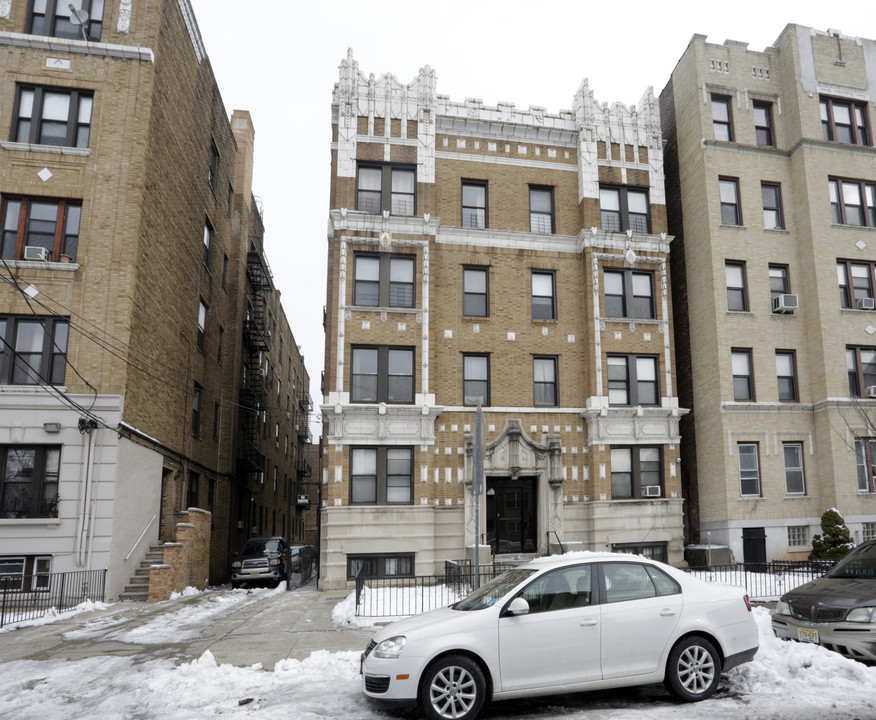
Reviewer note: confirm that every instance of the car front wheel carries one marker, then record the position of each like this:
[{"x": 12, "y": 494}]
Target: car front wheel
[
  {"x": 693, "y": 670},
  {"x": 453, "y": 689}
]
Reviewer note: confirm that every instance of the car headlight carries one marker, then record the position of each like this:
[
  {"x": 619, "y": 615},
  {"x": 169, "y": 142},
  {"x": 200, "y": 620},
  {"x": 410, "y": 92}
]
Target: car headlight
[
  {"x": 390, "y": 648},
  {"x": 235, "y": 564},
  {"x": 783, "y": 608},
  {"x": 862, "y": 615}
]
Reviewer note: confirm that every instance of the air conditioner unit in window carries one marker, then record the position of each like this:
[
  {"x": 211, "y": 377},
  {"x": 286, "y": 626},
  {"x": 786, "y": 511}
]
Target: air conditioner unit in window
[
  {"x": 871, "y": 391},
  {"x": 785, "y": 303},
  {"x": 651, "y": 490},
  {"x": 35, "y": 252},
  {"x": 866, "y": 304}
]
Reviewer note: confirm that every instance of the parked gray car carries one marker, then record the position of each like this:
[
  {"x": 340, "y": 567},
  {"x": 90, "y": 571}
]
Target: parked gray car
[
  {"x": 262, "y": 559},
  {"x": 838, "y": 610}
]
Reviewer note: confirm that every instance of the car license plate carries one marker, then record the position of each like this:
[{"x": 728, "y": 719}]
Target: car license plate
[
  {"x": 253, "y": 572},
  {"x": 807, "y": 635}
]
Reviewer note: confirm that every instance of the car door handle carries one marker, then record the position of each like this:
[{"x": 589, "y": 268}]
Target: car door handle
[
  {"x": 589, "y": 622},
  {"x": 667, "y": 612}
]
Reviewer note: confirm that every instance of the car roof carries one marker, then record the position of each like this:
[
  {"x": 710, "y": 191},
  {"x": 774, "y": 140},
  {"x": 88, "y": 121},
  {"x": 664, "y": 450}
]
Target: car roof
[
  {"x": 263, "y": 538},
  {"x": 583, "y": 556}
]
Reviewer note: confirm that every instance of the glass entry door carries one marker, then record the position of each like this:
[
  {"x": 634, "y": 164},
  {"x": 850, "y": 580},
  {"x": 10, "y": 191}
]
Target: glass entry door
[{"x": 511, "y": 515}]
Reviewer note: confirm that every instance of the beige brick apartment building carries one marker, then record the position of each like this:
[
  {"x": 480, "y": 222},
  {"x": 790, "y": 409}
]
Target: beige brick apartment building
[
  {"x": 516, "y": 259},
  {"x": 771, "y": 168},
  {"x": 146, "y": 363}
]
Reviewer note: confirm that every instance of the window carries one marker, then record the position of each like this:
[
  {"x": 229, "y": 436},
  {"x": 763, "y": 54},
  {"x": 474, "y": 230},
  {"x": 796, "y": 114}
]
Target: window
[
  {"x": 197, "y": 404},
  {"x": 629, "y": 581},
  {"x": 544, "y": 384},
  {"x": 865, "y": 456},
  {"x": 216, "y": 407},
  {"x": 855, "y": 283},
  {"x": 632, "y": 380},
  {"x": 541, "y": 209},
  {"x": 731, "y": 208},
  {"x": 194, "y": 487},
  {"x": 743, "y": 381},
  {"x": 29, "y": 481},
  {"x": 629, "y": 293},
  {"x": 737, "y": 297},
  {"x": 381, "y": 476},
  {"x": 202, "y": 323},
  {"x": 844, "y": 121},
  {"x": 636, "y": 472},
  {"x": 29, "y": 573},
  {"x": 794, "y": 480},
  {"x": 382, "y": 374},
  {"x": 562, "y": 589},
  {"x": 749, "y": 471},
  {"x": 214, "y": 165},
  {"x": 49, "y": 224},
  {"x": 476, "y": 379},
  {"x": 868, "y": 531},
  {"x": 219, "y": 344},
  {"x": 772, "y": 206},
  {"x": 33, "y": 350},
  {"x": 544, "y": 305},
  {"x": 387, "y": 188},
  {"x": 861, "y": 363},
  {"x": 653, "y": 551},
  {"x": 475, "y": 292},
  {"x": 384, "y": 280},
  {"x": 208, "y": 241},
  {"x": 852, "y": 202},
  {"x": 224, "y": 270},
  {"x": 779, "y": 283},
  {"x": 763, "y": 124},
  {"x": 786, "y": 375},
  {"x": 721, "y": 118},
  {"x": 474, "y": 204},
  {"x": 52, "y": 18},
  {"x": 380, "y": 566},
  {"x": 624, "y": 209},
  {"x": 798, "y": 536},
  {"x": 52, "y": 116}
]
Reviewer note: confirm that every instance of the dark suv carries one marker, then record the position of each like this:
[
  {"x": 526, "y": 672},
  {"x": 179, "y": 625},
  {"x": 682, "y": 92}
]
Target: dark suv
[{"x": 262, "y": 559}]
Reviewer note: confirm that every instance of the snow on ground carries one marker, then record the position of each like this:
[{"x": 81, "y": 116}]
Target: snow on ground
[{"x": 786, "y": 681}]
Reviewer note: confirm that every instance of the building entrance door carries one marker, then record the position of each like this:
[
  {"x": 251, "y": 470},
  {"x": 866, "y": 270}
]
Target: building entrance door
[
  {"x": 511, "y": 515},
  {"x": 754, "y": 547}
]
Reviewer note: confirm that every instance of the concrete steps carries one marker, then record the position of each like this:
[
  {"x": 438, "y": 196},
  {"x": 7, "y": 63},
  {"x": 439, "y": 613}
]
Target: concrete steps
[{"x": 138, "y": 588}]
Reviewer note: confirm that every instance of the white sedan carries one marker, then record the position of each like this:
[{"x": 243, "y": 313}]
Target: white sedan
[{"x": 563, "y": 624}]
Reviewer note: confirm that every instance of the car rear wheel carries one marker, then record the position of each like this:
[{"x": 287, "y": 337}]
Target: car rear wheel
[
  {"x": 453, "y": 689},
  {"x": 693, "y": 670}
]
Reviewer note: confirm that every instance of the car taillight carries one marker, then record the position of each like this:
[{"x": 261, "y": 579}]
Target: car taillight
[{"x": 747, "y": 603}]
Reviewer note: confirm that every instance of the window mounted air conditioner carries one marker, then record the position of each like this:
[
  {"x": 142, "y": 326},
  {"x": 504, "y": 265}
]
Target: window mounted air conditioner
[
  {"x": 866, "y": 303},
  {"x": 871, "y": 391},
  {"x": 34, "y": 252},
  {"x": 785, "y": 303},
  {"x": 651, "y": 490}
]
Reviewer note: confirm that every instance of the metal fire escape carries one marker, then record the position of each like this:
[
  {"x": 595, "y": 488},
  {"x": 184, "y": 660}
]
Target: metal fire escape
[{"x": 257, "y": 341}]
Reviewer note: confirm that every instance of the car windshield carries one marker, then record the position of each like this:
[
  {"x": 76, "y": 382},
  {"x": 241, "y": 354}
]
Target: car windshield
[
  {"x": 494, "y": 590},
  {"x": 859, "y": 563},
  {"x": 260, "y": 547}
]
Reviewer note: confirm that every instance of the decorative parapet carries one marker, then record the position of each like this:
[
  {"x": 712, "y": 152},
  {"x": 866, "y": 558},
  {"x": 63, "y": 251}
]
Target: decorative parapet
[
  {"x": 639, "y": 425},
  {"x": 381, "y": 424}
]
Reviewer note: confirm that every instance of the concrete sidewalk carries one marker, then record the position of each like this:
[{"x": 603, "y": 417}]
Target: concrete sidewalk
[{"x": 280, "y": 625}]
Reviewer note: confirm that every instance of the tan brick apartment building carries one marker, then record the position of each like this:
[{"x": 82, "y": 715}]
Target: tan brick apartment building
[
  {"x": 146, "y": 363},
  {"x": 516, "y": 258},
  {"x": 772, "y": 171}
]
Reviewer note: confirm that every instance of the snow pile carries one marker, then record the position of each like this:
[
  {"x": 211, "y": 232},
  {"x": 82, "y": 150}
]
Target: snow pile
[{"x": 52, "y": 615}]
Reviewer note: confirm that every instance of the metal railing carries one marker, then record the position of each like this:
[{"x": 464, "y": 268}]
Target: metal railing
[
  {"x": 764, "y": 581},
  {"x": 402, "y": 596},
  {"x": 24, "y": 597}
]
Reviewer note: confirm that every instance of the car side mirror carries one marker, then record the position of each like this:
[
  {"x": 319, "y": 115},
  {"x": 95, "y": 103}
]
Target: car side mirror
[{"x": 518, "y": 606}]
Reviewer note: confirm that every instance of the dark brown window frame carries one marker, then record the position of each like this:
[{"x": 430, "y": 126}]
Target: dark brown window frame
[
  {"x": 76, "y": 134},
  {"x": 474, "y": 210},
  {"x": 739, "y": 292},
  {"x": 65, "y": 243},
  {"x": 747, "y": 352},
  {"x": 794, "y": 395},
  {"x": 727, "y": 102},
  {"x": 767, "y": 132},
  {"x": 860, "y": 133},
  {"x": 840, "y": 209}
]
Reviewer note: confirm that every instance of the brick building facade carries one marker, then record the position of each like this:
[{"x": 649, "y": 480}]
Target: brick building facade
[
  {"x": 135, "y": 297},
  {"x": 514, "y": 258},
  {"x": 770, "y": 164}
]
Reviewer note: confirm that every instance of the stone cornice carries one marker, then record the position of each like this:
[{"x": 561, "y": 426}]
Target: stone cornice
[{"x": 38, "y": 42}]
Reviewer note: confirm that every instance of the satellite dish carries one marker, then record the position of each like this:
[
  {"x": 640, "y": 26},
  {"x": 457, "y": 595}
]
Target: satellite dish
[{"x": 79, "y": 18}]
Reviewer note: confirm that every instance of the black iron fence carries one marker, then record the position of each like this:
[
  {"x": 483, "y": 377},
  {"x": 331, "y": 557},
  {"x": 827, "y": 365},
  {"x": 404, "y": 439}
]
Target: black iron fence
[
  {"x": 765, "y": 581},
  {"x": 402, "y": 596},
  {"x": 24, "y": 597}
]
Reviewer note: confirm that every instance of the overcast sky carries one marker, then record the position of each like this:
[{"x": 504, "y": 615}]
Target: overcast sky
[{"x": 279, "y": 59}]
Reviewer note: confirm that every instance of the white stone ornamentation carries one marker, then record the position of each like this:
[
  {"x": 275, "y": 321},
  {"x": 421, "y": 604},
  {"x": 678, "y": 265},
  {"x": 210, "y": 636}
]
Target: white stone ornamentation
[
  {"x": 124, "y": 24},
  {"x": 5, "y": 8}
]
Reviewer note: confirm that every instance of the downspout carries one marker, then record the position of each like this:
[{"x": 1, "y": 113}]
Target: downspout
[
  {"x": 89, "y": 538},
  {"x": 85, "y": 513}
]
